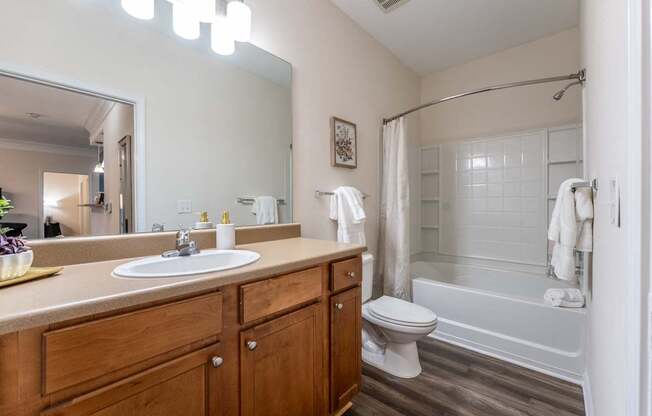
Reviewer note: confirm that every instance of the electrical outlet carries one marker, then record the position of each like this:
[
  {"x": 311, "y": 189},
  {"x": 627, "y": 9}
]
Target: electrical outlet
[{"x": 184, "y": 206}]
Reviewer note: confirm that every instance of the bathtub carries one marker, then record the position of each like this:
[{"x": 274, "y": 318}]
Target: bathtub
[{"x": 502, "y": 313}]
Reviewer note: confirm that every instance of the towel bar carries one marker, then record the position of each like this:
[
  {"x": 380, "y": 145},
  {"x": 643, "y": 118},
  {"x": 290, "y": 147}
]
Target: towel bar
[
  {"x": 593, "y": 184},
  {"x": 249, "y": 200},
  {"x": 325, "y": 193}
]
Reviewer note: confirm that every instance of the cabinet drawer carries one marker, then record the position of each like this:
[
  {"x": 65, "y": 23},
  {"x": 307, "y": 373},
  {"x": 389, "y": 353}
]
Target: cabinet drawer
[
  {"x": 277, "y": 294},
  {"x": 86, "y": 351},
  {"x": 187, "y": 386},
  {"x": 346, "y": 273}
]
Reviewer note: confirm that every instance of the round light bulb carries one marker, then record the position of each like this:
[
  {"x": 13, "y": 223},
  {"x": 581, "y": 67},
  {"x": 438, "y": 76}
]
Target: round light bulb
[
  {"x": 140, "y": 9},
  {"x": 238, "y": 15},
  {"x": 184, "y": 21},
  {"x": 222, "y": 41}
]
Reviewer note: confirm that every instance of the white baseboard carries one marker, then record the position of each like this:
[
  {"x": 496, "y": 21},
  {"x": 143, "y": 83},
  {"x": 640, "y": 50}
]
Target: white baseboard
[
  {"x": 585, "y": 382},
  {"x": 508, "y": 357},
  {"x": 588, "y": 396}
]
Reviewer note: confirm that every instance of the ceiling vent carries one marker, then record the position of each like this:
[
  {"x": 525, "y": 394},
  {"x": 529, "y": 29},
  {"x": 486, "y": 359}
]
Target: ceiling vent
[{"x": 389, "y": 5}]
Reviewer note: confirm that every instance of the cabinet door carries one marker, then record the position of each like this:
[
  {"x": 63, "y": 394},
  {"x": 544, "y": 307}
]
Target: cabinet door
[
  {"x": 346, "y": 348},
  {"x": 187, "y": 386},
  {"x": 281, "y": 366}
]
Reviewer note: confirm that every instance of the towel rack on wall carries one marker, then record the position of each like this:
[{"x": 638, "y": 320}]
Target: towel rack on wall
[
  {"x": 593, "y": 184},
  {"x": 324, "y": 193},
  {"x": 249, "y": 200}
]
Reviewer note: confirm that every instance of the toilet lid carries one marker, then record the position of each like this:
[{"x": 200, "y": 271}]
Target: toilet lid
[{"x": 401, "y": 312}]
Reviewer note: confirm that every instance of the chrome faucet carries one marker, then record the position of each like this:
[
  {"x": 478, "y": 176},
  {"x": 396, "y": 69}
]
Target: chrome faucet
[{"x": 184, "y": 246}]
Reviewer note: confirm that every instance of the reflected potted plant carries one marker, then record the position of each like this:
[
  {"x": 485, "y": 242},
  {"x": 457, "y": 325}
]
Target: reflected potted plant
[
  {"x": 5, "y": 207},
  {"x": 15, "y": 257}
]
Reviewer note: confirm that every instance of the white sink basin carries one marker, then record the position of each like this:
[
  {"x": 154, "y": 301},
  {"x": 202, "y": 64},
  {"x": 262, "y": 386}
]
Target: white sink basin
[{"x": 205, "y": 262}]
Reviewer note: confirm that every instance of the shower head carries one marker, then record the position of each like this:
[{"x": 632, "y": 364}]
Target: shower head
[{"x": 560, "y": 94}]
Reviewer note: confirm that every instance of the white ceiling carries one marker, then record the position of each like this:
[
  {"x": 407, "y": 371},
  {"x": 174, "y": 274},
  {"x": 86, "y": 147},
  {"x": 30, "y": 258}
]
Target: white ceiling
[
  {"x": 431, "y": 35},
  {"x": 64, "y": 113}
]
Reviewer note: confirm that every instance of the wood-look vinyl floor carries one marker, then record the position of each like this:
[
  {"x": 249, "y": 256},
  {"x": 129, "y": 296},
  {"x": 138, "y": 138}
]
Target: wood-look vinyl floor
[{"x": 459, "y": 382}]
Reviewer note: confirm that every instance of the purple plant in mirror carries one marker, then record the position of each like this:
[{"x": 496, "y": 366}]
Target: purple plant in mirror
[{"x": 12, "y": 245}]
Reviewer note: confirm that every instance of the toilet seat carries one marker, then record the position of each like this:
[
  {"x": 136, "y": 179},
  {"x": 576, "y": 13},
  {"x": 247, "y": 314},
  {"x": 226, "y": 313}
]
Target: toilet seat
[{"x": 402, "y": 313}]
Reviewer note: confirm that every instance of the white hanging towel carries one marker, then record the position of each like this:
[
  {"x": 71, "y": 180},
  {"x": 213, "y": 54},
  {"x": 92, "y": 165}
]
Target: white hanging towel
[
  {"x": 570, "y": 227},
  {"x": 265, "y": 208},
  {"x": 565, "y": 298},
  {"x": 347, "y": 208}
]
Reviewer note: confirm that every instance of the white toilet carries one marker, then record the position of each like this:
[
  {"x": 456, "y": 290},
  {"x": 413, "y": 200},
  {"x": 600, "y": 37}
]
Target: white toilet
[{"x": 391, "y": 328}]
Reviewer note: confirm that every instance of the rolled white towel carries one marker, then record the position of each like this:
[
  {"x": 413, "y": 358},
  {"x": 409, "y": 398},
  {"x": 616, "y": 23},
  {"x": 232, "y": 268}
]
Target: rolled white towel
[{"x": 565, "y": 298}]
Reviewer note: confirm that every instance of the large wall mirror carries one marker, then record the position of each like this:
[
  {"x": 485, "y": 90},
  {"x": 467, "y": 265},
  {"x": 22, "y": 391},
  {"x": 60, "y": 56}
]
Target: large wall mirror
[{"x": 201, "y": 133}]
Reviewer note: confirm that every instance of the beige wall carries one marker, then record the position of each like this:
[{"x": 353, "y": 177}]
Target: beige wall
[
  {"x": 508, "y": 110},
  {"x": 21, "y": 177},
  {"x": 339, "y": 70},
  {"x": 604, "y": 53}
]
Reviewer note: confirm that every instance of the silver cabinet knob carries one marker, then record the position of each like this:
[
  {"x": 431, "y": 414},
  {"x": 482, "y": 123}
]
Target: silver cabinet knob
[
  {"x": 339, "y": 306},
  {"x": 351, "y": 274},
  {"x": 252, "y": 345},
  {"x": 217, "y": 361}
]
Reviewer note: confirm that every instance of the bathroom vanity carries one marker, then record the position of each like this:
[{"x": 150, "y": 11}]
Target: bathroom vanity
[{"x": 278, "y": 337}]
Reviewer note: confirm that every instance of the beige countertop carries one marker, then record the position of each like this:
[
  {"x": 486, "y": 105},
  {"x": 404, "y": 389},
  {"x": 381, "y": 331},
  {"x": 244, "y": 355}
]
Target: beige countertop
[{"x": 86, "y": 289}]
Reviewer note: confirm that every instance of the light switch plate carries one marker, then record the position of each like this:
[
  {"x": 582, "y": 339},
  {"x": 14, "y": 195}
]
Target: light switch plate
[{"x": 184, "y": 206}]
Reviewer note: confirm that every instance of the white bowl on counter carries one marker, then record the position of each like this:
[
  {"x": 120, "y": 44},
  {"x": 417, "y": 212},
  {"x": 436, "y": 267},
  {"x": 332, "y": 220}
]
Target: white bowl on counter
[{"x": 15, "y": 265}]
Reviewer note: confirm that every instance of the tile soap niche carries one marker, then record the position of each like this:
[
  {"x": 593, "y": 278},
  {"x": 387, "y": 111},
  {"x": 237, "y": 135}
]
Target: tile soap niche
[{"x": 430, "y": 186}]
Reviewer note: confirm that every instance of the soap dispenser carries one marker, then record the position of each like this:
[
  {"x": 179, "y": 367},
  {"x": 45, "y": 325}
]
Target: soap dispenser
[
  {"x": 203, "y": 222},
  {"x": 225, "y": 233}
]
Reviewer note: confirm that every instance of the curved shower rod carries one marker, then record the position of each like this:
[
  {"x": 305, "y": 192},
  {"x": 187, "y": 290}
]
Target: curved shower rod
[{"x": 579, "y": 77}]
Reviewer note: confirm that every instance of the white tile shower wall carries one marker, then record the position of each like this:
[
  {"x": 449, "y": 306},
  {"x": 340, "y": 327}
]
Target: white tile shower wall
[{"x": 493, "y": 199}]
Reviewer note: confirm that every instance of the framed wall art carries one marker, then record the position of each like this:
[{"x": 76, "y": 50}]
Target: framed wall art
[{"x": 344, "y": 144}]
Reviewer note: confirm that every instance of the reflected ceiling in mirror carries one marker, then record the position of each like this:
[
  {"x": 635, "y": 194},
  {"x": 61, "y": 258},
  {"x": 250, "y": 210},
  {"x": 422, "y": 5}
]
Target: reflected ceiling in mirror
[{"x": 165, "y": 136}]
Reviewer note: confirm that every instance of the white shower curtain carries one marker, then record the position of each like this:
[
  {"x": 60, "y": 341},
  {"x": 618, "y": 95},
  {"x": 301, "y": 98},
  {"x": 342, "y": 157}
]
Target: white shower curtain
[{"x": 394, "y": 244}]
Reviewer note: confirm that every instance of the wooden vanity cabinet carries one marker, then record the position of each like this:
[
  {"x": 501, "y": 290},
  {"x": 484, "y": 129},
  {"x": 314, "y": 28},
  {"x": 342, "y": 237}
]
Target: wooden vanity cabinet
[
  {"x": 345, "y": 347},
  {"x": 187, "y": 386},
  {"x": 281, "y": 362},
  {"x": 284, "y": 345},
  {"x": 81, "y": 353}
]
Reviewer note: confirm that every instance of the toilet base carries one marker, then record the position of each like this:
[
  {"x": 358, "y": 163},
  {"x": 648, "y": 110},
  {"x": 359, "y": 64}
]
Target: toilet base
[{"x": 400, "y": 360}]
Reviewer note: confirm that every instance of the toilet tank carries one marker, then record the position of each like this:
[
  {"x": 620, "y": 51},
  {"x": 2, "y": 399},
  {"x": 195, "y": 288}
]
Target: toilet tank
[{"x": 367, "y": 276}]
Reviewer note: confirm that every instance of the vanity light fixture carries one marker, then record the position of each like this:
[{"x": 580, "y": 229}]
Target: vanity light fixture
[
  {"x": 205, "y": 10},
  {"x": 185, "y": 21},
  {"x": 140, "y": 9},
  {"x": 188, "y": 14},
  {"x": 238, "y": 15},
  {"x": 222, "y": 41}
]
